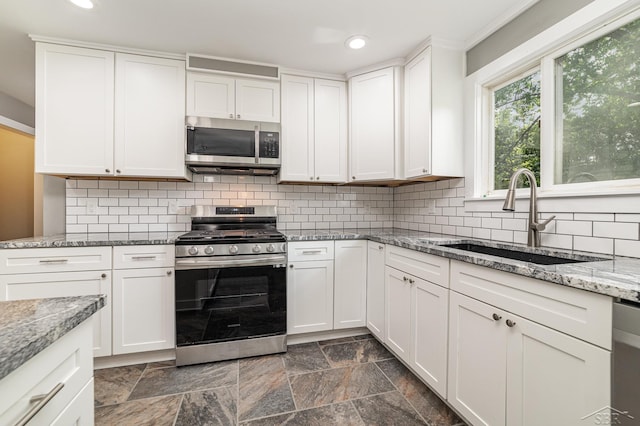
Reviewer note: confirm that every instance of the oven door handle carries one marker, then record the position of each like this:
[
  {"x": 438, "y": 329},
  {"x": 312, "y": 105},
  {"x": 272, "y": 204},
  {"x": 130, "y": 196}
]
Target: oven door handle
[{"x": 230, "y": 262}]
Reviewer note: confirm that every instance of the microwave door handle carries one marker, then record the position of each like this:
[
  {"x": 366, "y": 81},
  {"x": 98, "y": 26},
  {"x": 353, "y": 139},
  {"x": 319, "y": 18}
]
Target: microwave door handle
[{"x": 257, "y": 133}]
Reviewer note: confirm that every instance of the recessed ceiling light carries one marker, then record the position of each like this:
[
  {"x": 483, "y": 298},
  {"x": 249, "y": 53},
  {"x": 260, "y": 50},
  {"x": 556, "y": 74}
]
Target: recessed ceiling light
[
  {"x": 356, "y": 42},
  {"x": 85, "y": 4}
]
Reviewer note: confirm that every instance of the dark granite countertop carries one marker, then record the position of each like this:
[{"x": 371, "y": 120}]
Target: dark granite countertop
[
  {"x": 614, "y": 276},
  {"x": 91, "y": 240},
  {"x": 29, "y": 326}
]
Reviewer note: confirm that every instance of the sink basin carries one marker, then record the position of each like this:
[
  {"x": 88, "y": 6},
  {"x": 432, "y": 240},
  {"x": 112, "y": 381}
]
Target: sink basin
[{"x": 540, "y": 259}]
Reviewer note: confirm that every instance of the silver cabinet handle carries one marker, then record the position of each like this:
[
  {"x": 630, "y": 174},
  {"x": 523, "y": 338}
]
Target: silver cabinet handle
[
  {"x": 291, "y": 266},
  {"x": 107, "y": 170},
  {"x": 411, "y": 281},
  {"x": 143, "y": 258},
  {"x": 237, "y": 115},
  {"x": 424, "y": 170},
  {"x": 317, "y": 177},
  {"x": 169, "y": 273},
  {"x": 496, "y": 317},
  {"x": 311, "y": 177},
  {"x": 353, "y": 177},
  {"x": 117, "y": 170},
  {"x": 380, "y": 247},
  {"x": 405, "y": 279},
  {"x": 510, "y": 323},
  {"x": 230, "y": 115},
  {"x": 53, "y": 261},
  {"x": 103, "y": 275},
  {"x": 42, "y": 401},
  {"x": 311, "y": 251}
]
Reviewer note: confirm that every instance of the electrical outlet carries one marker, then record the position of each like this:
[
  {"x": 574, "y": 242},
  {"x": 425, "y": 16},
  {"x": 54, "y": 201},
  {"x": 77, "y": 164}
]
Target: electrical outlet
[
  {"x": 173, "y": 207},
  {"x": 92, "y": 206},
  {"x": 431, "y": 206}
]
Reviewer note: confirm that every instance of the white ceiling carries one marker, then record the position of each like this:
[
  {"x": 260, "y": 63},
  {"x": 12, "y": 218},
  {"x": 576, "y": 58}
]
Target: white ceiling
[{"x": 300, "y": 34}]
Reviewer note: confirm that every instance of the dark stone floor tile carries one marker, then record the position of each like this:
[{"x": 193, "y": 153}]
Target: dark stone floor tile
[
  {"x": 210, "y": 407},
  {"x": 339, "y": 384},
  {"x": 153, "y": 411},
  {"x": 342, "y": 414},
  {"x": 166, "y": 381},
  {"x": 389, "y": 409},
  {"x": 113, "y": 385},
  {"x": 304, "y": 358},
  {"x": 334, "y": 341},
  {"x": 357, "y": 352},
  {"x": 425, "y": 401},
  {"x": 263, "y": 388}
]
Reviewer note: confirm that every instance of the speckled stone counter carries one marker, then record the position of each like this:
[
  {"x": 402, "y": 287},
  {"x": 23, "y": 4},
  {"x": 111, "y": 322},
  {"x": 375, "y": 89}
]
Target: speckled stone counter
[
  {"x": 613, "y": 276},
  {"x": 97, "y": 239},
  {"x": 29, "y": 326}
]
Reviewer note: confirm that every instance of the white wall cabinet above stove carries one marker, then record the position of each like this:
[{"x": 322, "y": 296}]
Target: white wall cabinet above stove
[
  {"x": 100, "y": 113},
  {"x": 219, "y": 96},
  {"x": 314, "y": 130},
  {"x": 375, "y": 125}
]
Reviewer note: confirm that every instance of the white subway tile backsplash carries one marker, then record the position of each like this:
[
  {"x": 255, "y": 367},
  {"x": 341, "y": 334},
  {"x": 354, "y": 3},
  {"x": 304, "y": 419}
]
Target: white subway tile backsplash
[
  {"x": 627, "y": 248},
  {"x": 573, "y": 227},
  {"x": 625, "y": 231},
  {"x": 592, "y": 244}
]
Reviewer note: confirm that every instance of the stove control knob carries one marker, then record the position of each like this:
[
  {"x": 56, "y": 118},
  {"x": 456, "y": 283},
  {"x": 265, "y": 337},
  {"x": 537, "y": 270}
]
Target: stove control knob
[
  {"x": 283, "y": 248},
  {"x": 208, "y": 250},
  {"x": 271, "y": 248},
  {"x": 193, "y": 250},
  {"x": 233, "y": 249},
  {"x": 256, "y": 248}
]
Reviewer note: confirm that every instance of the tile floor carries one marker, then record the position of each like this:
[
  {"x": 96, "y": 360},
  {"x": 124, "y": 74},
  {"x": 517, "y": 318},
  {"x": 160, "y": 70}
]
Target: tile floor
[{"x": 349, "y": 381}]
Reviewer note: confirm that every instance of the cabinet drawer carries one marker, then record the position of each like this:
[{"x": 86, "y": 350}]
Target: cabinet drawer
[
  {"x": 63, "y": 259},
  {"x": 310, "y": 250},
  {"x": 68, "y": 361},
  {"x": 579, "y": 313},
  {"x": 151, "y": 256},
  {"x": 431, "y": 268}
]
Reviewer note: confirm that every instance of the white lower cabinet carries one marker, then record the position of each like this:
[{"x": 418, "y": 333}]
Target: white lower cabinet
[
  {"x": 398, "y": 311},
  {"x": 375, "y": 289},
  {"x": 143, "y": 310},
  {"x": 350, "y": 284},
  {"x": 507, "y": 370},
  {"x": 309, "y": 296}
]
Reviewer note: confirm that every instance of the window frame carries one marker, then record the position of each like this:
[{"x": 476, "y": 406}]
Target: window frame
[{"x": 505, "y": 70}]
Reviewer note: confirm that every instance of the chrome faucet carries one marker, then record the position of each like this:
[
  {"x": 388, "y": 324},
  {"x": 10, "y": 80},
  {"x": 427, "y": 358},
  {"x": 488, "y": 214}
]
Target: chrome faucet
[{"x": 534, "y": 227}]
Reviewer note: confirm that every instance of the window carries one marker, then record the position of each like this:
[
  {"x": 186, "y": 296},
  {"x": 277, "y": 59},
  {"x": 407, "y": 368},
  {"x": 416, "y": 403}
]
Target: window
[
  {"x": 516, "y": 129},
  {"x": 574, "y": 120},
  {"x": 598, "y": 111}
]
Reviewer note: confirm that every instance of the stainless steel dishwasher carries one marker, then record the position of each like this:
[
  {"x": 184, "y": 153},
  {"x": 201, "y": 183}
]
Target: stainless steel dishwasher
[{"x": 625, "y": 389}]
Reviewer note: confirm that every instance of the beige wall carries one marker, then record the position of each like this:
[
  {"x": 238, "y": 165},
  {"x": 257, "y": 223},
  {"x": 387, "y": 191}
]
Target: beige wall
[{"x": 16, "y": 184}]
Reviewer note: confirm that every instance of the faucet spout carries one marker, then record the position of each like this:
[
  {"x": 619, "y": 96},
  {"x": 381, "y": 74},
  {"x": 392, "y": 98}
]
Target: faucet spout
[{"x": 533, "y": 228}]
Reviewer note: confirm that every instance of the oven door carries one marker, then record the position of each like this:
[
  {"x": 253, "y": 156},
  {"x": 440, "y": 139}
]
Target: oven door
[
  {"x": 221, "y": 146},
  {"x": 232, "y": 300}
]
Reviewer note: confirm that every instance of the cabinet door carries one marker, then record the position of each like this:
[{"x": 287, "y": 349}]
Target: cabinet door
[
  {"x": 429, "y": 311},
  {"x": 417, "y": 115},
  {"x": 210, "y": 95},
  {"x": 330, "y": 141},
  {"x": 372, "y": 109},
  {"x": 297, "y": 129},
  {"x": 74, "y": 110},
  {"x": 80, "y": 410},
  {"x": 64, "y": 284},
  {"x": 477, "y": 360},
  {"x": 310, "y": 296},
  {"x": 375, "y": 289},
  {"x": 149, "y": 124},
  {"x": 553, "y": 378},
  {"x": 143, "y": 310},
  {"x": 350, "y": 286},
  {"x": 258, "y": 100},
  {"x": 398, "y": 312}
]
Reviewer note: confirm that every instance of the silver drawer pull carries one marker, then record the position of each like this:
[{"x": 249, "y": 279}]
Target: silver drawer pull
[
  {"x": 311, "y": 251},
  {"x": 42, "y": 401},
  {"x": 53, "y": 261},
  {"x": 143, "y": 258}
]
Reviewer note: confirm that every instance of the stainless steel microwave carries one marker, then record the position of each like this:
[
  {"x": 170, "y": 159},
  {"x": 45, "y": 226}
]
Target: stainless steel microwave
[{"x": 233, "y": 150}]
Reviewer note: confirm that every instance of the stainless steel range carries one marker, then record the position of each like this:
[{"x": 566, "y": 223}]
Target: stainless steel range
[{"x": 231, "y": 290}]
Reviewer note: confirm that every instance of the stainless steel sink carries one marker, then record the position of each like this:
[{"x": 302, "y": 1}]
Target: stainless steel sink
[{"x": 513, "y": 253}]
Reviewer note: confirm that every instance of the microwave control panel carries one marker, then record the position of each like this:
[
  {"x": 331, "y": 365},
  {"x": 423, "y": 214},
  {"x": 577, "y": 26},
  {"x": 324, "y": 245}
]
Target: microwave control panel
[{"x": 269, "y": 145}]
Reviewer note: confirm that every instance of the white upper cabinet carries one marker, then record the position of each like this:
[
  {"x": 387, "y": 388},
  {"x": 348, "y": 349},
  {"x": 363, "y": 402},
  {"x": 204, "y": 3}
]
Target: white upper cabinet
[
  {"x": 314, "y": 130},
  {"x": 433, "y": 82},
  {"x": 149, "y": 116},
  {"x": 74, "y": 110},
  {"x": 219, "y": 96},
  {"x": 101, "y": 113},
  {"x": 375, "y": 125}
]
